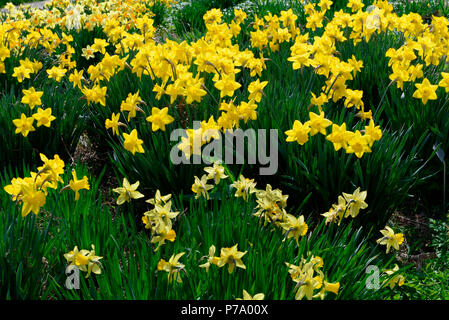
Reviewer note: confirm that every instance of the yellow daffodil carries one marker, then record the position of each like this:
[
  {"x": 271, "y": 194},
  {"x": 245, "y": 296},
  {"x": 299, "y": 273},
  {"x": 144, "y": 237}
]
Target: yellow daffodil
[
  {"x": 54, "y": 168},
  {"x": 113, "y": 123},
  {"x": 173, "y": 267},
  {"x": 247, "y": 296},
  {"x": 201, "y": 187},
  {"x": 32, "y": 198},
  {"x": 373, "y": 132},
  {"x": 88, "y": 52},
  {"x": 294, "y": 227},
  {"x": 22, "y": 73},
  {"x": 128, "y": 192},
  {"x": 211, "y": 259},
  {"x": 231, "y": 257},
  {"x": 227, "y": 85},
  {"x": 390, "y": 239},
  {"x": 56, "y": 73},
  {"x": 132, "y": 143},
  {"x": 32, "y": 97},
  {"x": 255, "y": 89},
  {"x": 44, "y": 117},
  {"x": 356, "y": 201},
  {"x": 358, "y": 144},
  {"x": 85, "y": 260},
  {"x": 159, "y": 118},
  {"x": 77, "y": 185},
  {"x": 76, "y": 77},
  {"x": 24, "y": 125},
  {"x": 158, "y": 199},
  {"x": 425, "y": 91},
  {"x": 299, "y": 132},
  {"x": 397, "y": 279},
  {"x": 244, "y": 187},
  {"x": 318, "y": 123},
  {"x": 216, "y": 172}
]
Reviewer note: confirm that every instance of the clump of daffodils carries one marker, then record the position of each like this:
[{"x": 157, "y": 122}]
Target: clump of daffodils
[
  {"x": 394, "y": 277},
  {"x": 271, "y": 206},
  {"x": 294, "y": 227},
  {"x": 201, "y": 186},
  {"x": 244, "y": 187},
  {"x": 85, "y": 260},
  {"x": 172, "y": 267},
  {"x": 32, "y": 191},
  {"x": 159, "y": 220},
  {"x": 32, "y": 98},
  {"x": 348, "y": 205},
  {"x": 179, "y": 70},
  {"x": 230, "y": 257},
  {"x": 309, "y": 278}
]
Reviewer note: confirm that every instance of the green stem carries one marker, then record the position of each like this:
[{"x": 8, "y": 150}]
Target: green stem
[
  {"x": 385, "y": 93},
  {"x": 51, "y": 217}
]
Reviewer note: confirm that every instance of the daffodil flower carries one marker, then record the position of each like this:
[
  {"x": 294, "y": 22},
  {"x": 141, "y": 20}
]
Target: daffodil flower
[
  {"x": 128, "y": 192},
  {"x": 390, "y": 239}
]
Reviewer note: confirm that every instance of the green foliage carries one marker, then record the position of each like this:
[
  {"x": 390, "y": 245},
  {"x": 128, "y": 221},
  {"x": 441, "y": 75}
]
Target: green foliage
[
  {"x": 34, "y": 265},
  {"x": 61, "y": 138},
  {"x": 16, "y": 2},
  {"x": 338, "y": 5},
  {"x": 28, "y": 244},
  {"x": 389, "y": 173},
  {"x": 264, "y": 7},
  {"x": 440, "y": 239},
  {"x": 402, "y": 165},
  {"x": 426, "y": 9},
  {"x": 429, "y": 280},
  {"x": 190, "y": 17},
  {"x": 396, "y": 167},
  {"x": 160, "y": 11},
  {"x": 66, "y": 103},
  {"x": 429, "y": 283}
]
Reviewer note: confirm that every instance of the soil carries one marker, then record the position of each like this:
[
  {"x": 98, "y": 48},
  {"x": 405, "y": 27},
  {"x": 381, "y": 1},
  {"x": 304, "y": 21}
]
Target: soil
[
  {"x": 415, "y": 226},
  {"x": 86, "y": 153}
]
